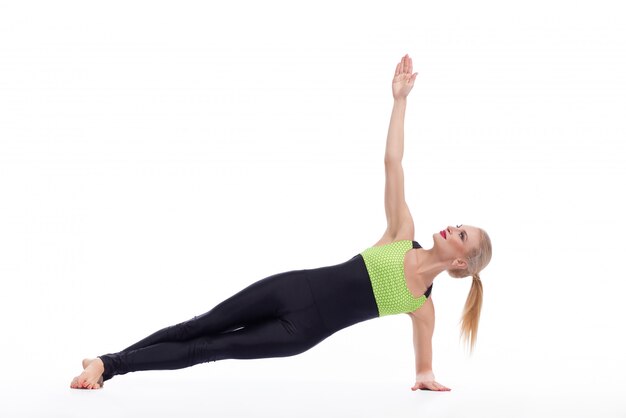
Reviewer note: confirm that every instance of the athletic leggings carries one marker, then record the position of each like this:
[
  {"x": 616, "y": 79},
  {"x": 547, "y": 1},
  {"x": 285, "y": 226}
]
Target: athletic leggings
[{"x": 281, "y": 315}]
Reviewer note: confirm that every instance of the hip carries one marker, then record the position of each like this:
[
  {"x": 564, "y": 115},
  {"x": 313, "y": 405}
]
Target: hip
[{"x": 343, "y": 293}]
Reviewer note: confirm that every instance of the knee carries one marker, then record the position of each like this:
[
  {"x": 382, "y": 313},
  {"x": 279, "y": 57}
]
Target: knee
[
  {"x": 185, "y": 330},
  {"x": 201, "y": 350}
]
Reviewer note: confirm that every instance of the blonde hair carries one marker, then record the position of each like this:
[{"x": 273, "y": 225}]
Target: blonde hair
[{"x": 476, "y": 261}]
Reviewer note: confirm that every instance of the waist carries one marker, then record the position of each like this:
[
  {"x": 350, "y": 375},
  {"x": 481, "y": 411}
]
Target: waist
[{"x": 343, "y": 293}]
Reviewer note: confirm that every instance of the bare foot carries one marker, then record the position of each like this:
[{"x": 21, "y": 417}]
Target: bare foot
[
  {"x": 87, "y": 362},
  {"x": 91, "y": 377}
]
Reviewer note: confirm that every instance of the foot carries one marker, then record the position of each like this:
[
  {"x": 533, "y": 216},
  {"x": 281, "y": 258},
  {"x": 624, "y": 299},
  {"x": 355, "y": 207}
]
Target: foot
[
  {"x": 87, "y": 362},
  {"x": 91, "y": 377}
]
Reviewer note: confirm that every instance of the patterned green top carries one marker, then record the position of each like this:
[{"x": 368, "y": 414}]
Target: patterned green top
[{"x": 385, "y": 265}]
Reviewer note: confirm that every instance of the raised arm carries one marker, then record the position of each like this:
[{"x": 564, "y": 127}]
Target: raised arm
[
  {"x": 423, "y": 321},
  {"x": 399, "y": 220}
]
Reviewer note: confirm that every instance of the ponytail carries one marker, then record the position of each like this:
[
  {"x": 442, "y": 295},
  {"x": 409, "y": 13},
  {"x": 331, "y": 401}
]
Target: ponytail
[
  {"x": 477, "y": 260},
  {"x": 471, "y": 312}
]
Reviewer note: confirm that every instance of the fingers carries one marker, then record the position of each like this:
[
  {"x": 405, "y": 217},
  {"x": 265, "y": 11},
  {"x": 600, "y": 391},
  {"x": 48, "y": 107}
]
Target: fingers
[
  {"x": 430, "y": 386},
  {"x": 400, "y": 66},
  {"x": 405, "y": 66},
  {"x": 438, "y": 386}
]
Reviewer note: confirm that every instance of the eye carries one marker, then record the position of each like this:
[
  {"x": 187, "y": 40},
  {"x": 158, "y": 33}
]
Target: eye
[{"x": 462, "y": 233}]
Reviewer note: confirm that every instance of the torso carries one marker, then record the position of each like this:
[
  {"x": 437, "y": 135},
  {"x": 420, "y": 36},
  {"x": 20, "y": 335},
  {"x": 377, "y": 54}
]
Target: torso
[{"x": 413, "y": 283}]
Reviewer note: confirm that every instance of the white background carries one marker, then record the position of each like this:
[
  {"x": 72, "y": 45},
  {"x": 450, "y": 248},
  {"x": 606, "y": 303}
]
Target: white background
[{"x": 156, "y": 157}]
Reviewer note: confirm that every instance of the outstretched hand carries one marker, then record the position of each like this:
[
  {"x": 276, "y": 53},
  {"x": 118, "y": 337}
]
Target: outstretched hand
[{"x": 404, "y": 78}]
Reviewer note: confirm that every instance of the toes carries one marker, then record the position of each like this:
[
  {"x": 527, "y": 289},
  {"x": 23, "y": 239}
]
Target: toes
[
  {"x": 83, "y": 383},
  {"x": 93, "y": 385}
]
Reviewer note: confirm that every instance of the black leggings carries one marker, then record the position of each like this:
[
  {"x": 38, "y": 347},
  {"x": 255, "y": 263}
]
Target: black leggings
[{"x": 281, "y": 315}]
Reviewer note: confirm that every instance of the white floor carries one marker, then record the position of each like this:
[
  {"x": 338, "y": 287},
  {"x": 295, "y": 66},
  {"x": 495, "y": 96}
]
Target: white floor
[{"x": 195, "y": 393}]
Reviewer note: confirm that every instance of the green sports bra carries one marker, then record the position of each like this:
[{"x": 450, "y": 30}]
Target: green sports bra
[{"x": 385, "y": 266}]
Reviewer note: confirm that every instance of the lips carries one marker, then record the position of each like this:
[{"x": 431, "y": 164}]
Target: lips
[{"x": 443, "y": 234}]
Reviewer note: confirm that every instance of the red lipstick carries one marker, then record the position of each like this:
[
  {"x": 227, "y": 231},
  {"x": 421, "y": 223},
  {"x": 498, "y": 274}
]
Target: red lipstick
[{"x": 443, "y": 234}]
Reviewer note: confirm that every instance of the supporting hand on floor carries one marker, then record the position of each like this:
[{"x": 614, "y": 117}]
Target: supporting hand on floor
[{"x": 426, "y": 381}]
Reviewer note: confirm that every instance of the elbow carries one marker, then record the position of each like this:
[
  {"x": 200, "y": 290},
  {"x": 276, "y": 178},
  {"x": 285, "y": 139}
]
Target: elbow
[{"x": 393, "y": 159}]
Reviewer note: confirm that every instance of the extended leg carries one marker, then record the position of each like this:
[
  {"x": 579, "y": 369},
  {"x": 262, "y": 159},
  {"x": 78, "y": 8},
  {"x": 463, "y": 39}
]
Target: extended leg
[
  {"x": 278, "y": 337},
  {"x": 259, "y": 301}
]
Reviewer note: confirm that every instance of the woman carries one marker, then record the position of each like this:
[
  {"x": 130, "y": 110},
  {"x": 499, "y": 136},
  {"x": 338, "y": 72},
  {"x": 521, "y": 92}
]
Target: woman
[{"x": 289, "y": 313}]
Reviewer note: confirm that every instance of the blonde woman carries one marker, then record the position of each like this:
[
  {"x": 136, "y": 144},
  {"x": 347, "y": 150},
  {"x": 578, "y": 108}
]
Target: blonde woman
[{"x": 288, "y": 313}]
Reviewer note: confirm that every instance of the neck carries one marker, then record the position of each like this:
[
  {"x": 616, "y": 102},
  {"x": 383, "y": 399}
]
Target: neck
[{"x": 428, "y": 266}]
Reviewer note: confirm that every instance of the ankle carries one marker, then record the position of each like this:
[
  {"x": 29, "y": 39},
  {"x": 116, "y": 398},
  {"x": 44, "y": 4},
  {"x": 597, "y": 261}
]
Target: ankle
[{"x": 99, "y": 362}]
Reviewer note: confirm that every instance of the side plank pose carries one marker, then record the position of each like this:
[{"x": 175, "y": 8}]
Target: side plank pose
[{"x": 288, "y": 313}]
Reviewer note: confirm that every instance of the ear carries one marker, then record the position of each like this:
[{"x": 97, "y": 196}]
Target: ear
[{"x": 459, "y": 263}]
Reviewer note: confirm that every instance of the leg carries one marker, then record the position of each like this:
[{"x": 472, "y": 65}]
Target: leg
[
  {"x": 259, "y": 301},
  {"x": 278, "y": 337}
]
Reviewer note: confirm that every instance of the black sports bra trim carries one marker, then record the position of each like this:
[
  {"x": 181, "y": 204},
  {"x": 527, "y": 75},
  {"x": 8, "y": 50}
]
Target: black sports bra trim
[{"x": 430, "y": 288}]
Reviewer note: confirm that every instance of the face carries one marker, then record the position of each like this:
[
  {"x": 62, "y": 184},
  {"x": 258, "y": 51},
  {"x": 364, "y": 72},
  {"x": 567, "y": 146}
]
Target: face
[{"x": 458, "y": 242}]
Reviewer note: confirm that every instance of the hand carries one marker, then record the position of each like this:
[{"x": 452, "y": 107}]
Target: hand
[
  {"x": 404, "y": 78},
  {"x": 426, "y": 381}
]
